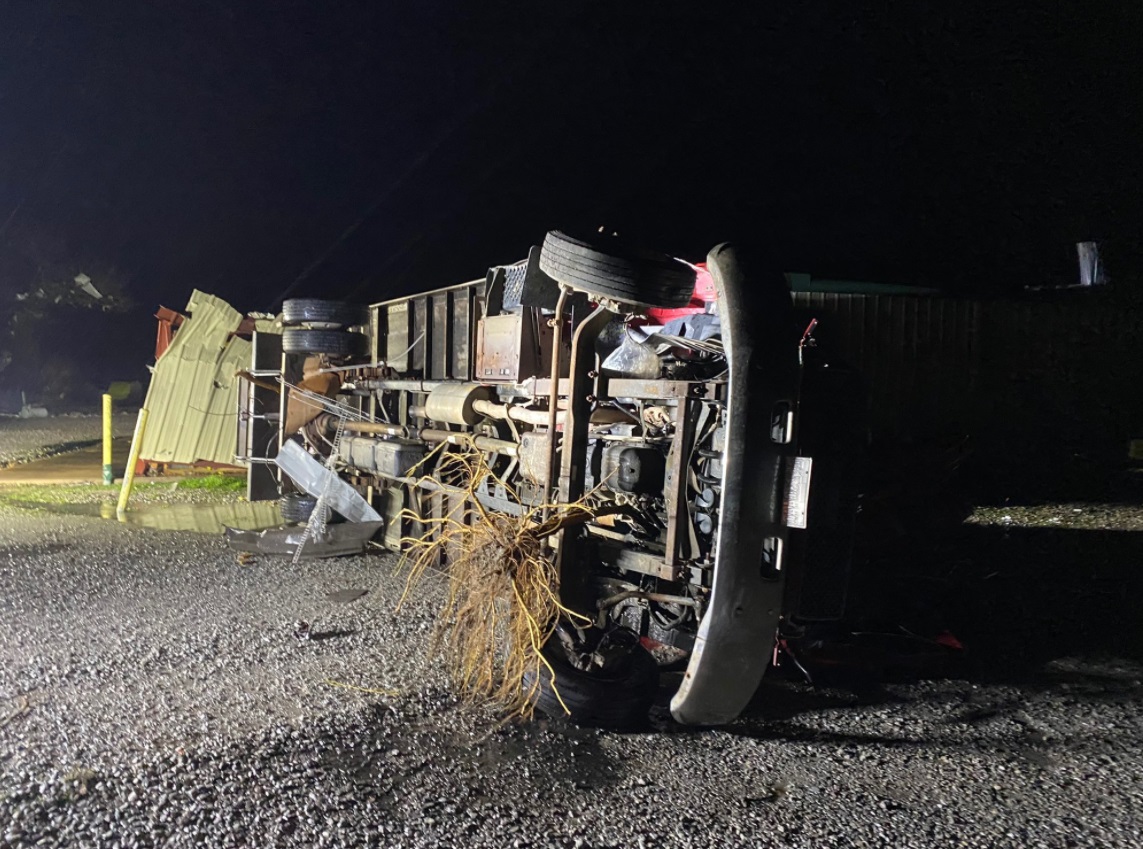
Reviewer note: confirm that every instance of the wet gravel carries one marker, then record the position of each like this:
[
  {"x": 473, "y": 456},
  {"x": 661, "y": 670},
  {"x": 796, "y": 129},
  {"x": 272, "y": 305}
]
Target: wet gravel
[
  {"x": 152, "y": 693},
  {"x": 1084, "y": 515},
  {"x": 74, "y": 497},
  {"x": 23, "y": 440}
]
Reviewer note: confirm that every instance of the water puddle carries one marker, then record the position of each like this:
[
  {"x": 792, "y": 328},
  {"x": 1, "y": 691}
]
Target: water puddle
[{"x": 202, "y": 518}]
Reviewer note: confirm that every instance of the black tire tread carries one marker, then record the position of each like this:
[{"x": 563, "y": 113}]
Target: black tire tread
[
  {"x": 611, "y": 270},
  {"x": 296, "y": 507},
  {"x": 610, "y": 702},
  {"x": 303, "y": 310},
  {"x": 297, "y": 340}
]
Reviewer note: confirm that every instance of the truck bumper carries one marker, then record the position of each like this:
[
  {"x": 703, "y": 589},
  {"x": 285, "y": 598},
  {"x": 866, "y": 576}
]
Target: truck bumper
[{"x": 736, "y": 635}]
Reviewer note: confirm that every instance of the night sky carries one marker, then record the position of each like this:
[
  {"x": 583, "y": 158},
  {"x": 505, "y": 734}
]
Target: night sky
[{"x": 253, "y": 149}]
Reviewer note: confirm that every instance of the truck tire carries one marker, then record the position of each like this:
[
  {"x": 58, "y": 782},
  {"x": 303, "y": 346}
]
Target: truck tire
[
  {"x": 336, "y": 343},
  {"x": 606, "y": 268},
  {"x": 331, "y": 314},
  {"x": 618, "y": 699},
  {"x": 296, "y": 507}
]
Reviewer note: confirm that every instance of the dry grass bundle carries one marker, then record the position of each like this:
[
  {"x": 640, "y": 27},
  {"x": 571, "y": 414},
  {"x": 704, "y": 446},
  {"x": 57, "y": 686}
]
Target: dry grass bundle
[{"x": 503, "y": 599}]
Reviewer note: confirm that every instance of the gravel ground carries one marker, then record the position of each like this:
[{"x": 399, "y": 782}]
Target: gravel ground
[
  {"x": 152, "y": 693},
  {"x": 72, "y": 498},
  {"x": 22, "y": 440},
  {"x": 1123, "y": 517}
]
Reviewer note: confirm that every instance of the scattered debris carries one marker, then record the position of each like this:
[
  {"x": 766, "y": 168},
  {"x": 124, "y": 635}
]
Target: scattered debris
[
  {"x": 84, "y": 284},
  {"x": 23, "y": 707},
  {"x": 337, "y": 540},
  {"x": 80, "y": 776},
  {"x": 28, "y": 411},
  {"x": 318, "y": 636},
  {"x": 778, "y": 791},
  {"x": 346, "y": 596}
]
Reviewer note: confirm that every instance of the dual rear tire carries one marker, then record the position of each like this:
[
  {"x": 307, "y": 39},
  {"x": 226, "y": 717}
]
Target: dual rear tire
[
  {"x": 317, "y": 326},
  {"x": 322, "y": 314}
]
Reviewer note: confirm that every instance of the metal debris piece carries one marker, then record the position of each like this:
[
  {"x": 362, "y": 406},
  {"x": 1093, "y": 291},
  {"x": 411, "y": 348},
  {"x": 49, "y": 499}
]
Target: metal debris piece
[
  {"x": 83, "y": 282},
  {"x": 346, "y": 596},
  {"x": 319, "y": 481},
  {"x": 337, "y": 541}
]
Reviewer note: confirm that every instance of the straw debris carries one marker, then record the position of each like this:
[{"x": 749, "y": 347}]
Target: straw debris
[{"x": 503, "y": 601}]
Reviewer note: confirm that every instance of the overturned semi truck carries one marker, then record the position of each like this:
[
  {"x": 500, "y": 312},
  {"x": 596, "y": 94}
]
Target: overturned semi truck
[{"x": 682, "y": 399}]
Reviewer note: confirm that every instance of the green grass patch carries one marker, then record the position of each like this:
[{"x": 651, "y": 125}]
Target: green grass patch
[{"x": 215, "y": 483}]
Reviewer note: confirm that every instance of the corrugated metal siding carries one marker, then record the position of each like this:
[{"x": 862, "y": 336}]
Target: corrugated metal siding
[
  {"x": 1070, "y": 365},
  {"x": 935, "y": 366},
  {"x": 192, "y": 399},
  {"x": 918, "y": 355}
]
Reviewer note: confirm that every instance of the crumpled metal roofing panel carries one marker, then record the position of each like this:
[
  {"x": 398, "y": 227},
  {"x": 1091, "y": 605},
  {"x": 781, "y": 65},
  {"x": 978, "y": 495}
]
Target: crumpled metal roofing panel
[{"x": 193, "y": 397}]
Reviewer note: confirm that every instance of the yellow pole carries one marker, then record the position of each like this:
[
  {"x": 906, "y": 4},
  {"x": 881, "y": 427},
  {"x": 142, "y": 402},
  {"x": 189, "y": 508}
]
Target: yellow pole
[
  {"x": 132, "y": 461},
  {"x": 108, "y": 478}
]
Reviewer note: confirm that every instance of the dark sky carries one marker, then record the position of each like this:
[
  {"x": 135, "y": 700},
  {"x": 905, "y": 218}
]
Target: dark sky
[{"x": 241, "y": 146}]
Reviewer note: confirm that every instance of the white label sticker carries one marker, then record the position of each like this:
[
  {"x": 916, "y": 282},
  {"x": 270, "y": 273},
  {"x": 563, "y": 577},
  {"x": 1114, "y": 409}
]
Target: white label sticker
[{"x": 798, "y": 498}]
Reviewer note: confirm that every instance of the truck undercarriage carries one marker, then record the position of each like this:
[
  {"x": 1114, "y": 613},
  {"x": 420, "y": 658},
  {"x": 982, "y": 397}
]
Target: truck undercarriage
[{"x": 663, "y": 396}]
